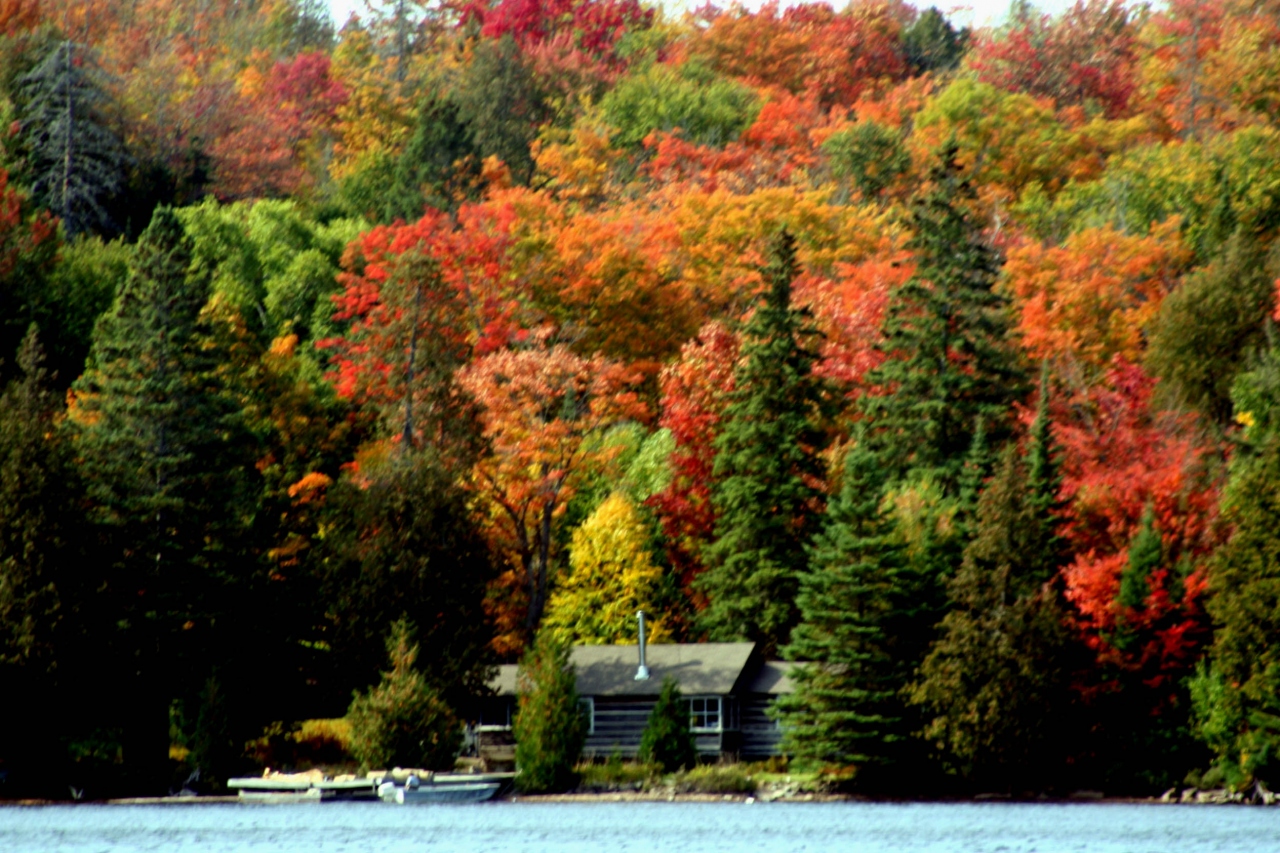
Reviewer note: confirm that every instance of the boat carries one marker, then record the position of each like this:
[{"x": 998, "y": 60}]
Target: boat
[
  {"x": 301, "y": 788},
  {"x": 437, "y": 789}
]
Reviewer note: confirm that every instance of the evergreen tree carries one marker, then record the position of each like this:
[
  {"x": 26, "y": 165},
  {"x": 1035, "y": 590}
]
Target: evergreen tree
[
  {"x": 40, "y": 520},
  {"x": 402, "y": 542},
  {"x": 76, "y": 162},
  {"x": 856, "y": 603},
  {"x": 164, "y": 455},
  {"x": 500, "y": 101},
  {"x": 439, "y": 167},
  {"x": 932, "y": 44},
  {"x": 996, "y": 680},
  {"x": 949, "y": 364},
  {"x": 550, "y": 727},
  {"x": 403, "y": 722},
  {"x": 1237, "y": 695},
  {"x": 767, "y": 470},
  {"x": 666, "y": 740}
]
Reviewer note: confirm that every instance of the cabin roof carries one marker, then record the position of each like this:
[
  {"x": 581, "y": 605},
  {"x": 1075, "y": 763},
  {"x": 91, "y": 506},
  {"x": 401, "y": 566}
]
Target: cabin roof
[{"x": 710, "y": 668}]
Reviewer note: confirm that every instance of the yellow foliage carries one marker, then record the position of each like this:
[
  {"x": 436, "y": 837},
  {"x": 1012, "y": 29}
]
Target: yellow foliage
[{"x": 612, "y": 575}]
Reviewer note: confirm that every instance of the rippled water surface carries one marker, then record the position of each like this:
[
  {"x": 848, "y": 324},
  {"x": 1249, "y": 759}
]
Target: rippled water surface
[{"x": 649, "y": 827}]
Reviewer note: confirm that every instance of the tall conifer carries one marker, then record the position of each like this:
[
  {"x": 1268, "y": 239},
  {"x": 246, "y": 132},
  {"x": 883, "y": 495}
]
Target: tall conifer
[
  {"x": 949, "y": 365},
  {"x": 767, "y": 470},
  {"x": 996, "y": 680},
  {"x": 159, "y": 441},
  {"x": 854, "y": 601}
]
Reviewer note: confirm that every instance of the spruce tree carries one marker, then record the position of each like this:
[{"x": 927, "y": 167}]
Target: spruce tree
[
  {"x": 856, "y": 602},
  {"x": 40, "y": 520},
  {"x": 666, "y": 740},
  {"x": 45, "y": 577},
  {"x": 767, "y": 469},
  {"x": 162, "y": 450},
  {"x": 996, "y": 680},
  {"x": 1237, "y": 695},
  {"x": 550, "y": 727},
  {"x": 76, "y": 162},
  {"x": 949, "y": 364}
]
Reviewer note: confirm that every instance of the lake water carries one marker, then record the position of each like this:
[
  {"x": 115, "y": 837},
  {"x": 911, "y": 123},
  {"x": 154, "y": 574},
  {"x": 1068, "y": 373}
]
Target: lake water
[{"x": 648, "y": 827}]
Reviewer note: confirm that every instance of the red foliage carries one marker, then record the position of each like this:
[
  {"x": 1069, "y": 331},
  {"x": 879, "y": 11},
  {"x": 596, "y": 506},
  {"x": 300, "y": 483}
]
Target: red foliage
[
  {"x": 1085, "y": 56},
  {"x": 263, "y": 154},
  {"x": 695, "y": 391},
  {"x": 26, "y": 237},
  {"x": 593, "y": 27},
  {"x": 1120, "y": 461},
  {"x": 19, "y": 16}
]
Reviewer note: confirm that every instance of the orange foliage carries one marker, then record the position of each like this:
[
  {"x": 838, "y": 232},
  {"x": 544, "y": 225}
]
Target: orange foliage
[
  {"x": 540, "y": 405},
  {"x": 807, "y": 48},
  {"x": 1089, "y": 301}
]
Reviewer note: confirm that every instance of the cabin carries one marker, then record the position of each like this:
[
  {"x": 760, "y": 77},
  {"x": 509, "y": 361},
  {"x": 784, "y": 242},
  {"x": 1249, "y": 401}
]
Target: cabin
[{"x": 729, "y": 688}]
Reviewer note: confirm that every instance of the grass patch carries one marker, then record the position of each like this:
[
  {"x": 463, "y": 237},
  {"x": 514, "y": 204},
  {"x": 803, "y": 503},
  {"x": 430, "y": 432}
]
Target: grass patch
[
  {"x": 617, "y": 775},
  {"x": 716, "y": 779}
]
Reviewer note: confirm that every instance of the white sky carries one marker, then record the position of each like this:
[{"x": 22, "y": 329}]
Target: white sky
[{"x": 972, "y": 12}]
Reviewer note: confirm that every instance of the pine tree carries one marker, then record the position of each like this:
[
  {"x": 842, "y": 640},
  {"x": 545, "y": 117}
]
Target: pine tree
[
  {"x": 996, "y": 680},
  {"x": 767, "y": 470},
  {"x": 666, "y": 740},
  {"x": 76, "y": 162},
  {"x": 949, "y": 364},
  {"x": 1237, "y": 695},
  {"x": 40, "y": 519},
  {"x": 163, "y": 453},
  {"x": 549, "y": 727},
  {"x": 439, "y": 167},
  {"x": 856, "y": 602}
]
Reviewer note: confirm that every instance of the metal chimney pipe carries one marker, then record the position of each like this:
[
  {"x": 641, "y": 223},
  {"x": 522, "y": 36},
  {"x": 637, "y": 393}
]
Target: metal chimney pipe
[{"x": 642, "y": 674}]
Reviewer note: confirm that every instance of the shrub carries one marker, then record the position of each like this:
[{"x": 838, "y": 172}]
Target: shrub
[
  {"x": 402, "y": 721},
  {"x": 549, "y": 727},
  {"x": 716, "y": 779},
  {"x": 667, "y": 740},
  {"x": 616, "y": 775}
]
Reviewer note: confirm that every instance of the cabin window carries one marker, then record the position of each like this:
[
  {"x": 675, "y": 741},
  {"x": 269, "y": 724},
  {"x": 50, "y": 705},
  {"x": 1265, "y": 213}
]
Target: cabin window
[
  {"x": 704, "y": 714},
  {"x": 588, "y": 704}
]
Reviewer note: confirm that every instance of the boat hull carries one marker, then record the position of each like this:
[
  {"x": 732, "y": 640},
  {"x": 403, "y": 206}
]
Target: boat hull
[{"x": 467, "y": 792}]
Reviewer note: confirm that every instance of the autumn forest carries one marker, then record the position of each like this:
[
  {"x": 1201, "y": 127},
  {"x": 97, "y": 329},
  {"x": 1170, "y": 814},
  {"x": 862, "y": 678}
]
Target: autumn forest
[{"x": 944, "y": 360}]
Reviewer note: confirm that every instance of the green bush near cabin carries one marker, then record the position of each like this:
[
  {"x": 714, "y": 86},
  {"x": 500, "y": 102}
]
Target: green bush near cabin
[
  {"x": 550, "y": 727},
  {"x": 667, "y": 740},
  {"x": 403, "y": 722}
]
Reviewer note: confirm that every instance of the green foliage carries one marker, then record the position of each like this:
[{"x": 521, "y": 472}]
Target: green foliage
[
  {"x": 666, "y": 740},
  {"x": 858, "y": 603},
  {"x": 76, "y": 161},
  {"x": 949, "y": 359},
  {"x": 616, "y": 774},
  {"x": 270, "y": 262},
  {"x": 705, "y": 107},
  {"x": 440, "y": 166},
  {"x": 550, "y": 726},
  {"x": 869, "y": 155},
  {"x": 1237, "y": 698},
  {"x": 1211, "y": 324},
  {"x": 500, "y": 100},
  {"x": 716, "y": 779},
  {"x": 401, "y": 542},
  {"x": 997, "y": 679},
  {"x": 40, "y": 518},
  {"x": 403, "y": 722},
  {"x": 931, "y": 44},
  {"x": 79, "y": 290},
  {"x": 766, "y": 468}
]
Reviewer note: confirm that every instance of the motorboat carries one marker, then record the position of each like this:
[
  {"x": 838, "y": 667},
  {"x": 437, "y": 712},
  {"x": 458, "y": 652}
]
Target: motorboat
[{"x": 436, "y": 789}]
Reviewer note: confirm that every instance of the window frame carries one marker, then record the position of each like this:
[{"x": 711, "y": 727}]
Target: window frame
[
  {"x": 706, "y": 712},
  {"x": 589, "y": 703}
]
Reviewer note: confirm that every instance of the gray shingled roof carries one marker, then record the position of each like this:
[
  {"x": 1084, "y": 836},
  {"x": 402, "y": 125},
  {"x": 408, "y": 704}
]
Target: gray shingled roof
[
  {"x": 773, "y": 678},
  {"x": 712, "y": 668}
]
